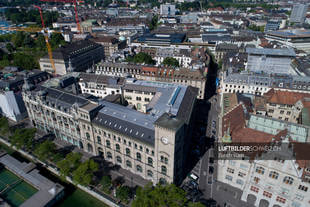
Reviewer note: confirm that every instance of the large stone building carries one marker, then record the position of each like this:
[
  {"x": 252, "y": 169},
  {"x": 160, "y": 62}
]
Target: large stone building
[
  {"x": 265, "y": 60},
  {"x": 183, "y": 76},
  {"x": 276, "y": 181},
  {"x": 75, "y": 57},
  {"x": 153, "y": 145},
  {"x": 110, "y": 44}
]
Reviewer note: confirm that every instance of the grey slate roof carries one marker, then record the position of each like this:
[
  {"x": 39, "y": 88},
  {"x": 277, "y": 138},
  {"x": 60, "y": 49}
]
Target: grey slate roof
[
  {"x": 101, "y": 79},
  {"x": 267, "y": 51}
]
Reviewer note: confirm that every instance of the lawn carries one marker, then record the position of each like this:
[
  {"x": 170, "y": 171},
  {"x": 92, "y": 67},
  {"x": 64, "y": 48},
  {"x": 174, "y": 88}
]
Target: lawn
[{"x": 80, "y": 198}]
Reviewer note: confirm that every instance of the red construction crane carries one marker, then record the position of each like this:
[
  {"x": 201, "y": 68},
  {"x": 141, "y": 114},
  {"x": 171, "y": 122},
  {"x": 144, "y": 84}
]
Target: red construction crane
[{"x": 75, "y": 9}]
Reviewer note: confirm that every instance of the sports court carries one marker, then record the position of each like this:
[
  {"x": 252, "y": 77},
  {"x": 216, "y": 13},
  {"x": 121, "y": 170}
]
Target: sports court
[{"x": 13, "y": 189}]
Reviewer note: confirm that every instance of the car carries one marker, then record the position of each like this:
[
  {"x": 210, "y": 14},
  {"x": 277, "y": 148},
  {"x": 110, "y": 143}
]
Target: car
[
  {"x": 193, "y": 176},
  {"x": 211, "y": 169},
  {"x": 193, "y": 184},
  {"x": 211, "y": 160}
]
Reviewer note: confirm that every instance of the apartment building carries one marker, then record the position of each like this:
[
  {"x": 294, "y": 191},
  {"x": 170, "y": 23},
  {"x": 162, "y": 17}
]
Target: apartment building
[
  {"x": 100, "y": 85},
  {"x": 285, "y": 105},
  {"x": 280, "y": 181},
  {"x": 152, "y": 145},
  {"x": 223, "y": 48},
  {"x": 183, "y": 56},
  {"x": 75, "y": 57},
  {"x": 110, "y": 44},
  {"x": 183, "y": 76},
  {"x": 259, "y": 84}
]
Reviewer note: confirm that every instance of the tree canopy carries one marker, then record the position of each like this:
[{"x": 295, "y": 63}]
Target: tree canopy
[
  {"x": 69, "y": 164},
  {"x": 162, "y": 195},
  {"x": 83, "y": 175},
  {"x": 45, "y": 150},
  {"x": 141, "y": 57},
  {"x": 123, "y": 193},
  {"x": 23, "y": 138},
  {"x": 170, "y": 61},
  {"x": 4, "y": 126},
  {"x": 106, "y": 183}
]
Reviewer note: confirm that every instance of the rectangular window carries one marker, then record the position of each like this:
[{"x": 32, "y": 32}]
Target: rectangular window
[
  {"x": 228, "y": 177},
  {"x": 240, "y": 182},
  {"x": 303, "y": 188},
  {"x": 267, "y": 194},
  {"x": 280, "y": 199},
  {"x": 241, "y": 174},
  {"x": 254, "y": 189},
  {"x": 230, "y": 170}
]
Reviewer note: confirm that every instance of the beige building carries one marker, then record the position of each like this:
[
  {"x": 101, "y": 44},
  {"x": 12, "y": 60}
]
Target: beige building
[
  {"x": 110, "y": 44},
  {"x": 152, "y": 145}
]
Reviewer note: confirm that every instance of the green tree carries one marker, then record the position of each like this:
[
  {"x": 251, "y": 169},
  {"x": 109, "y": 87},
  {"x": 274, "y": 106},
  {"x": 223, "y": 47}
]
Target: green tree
[
  {"x": 18, "y": 39},
  {"x": 10, "y": 47},
  {"x": 161, "y": 195},
  {"x": 123, "y": 193},
  {"x": 4, "y": 125},
  {"x": 40, "y": 42},
  {"x": 83, "y": 175},
  {"x": 170, "y": 61},
  {"x": 142, "y": 57},
  {"x": 25, "y": 61},
  {"x": 69, "y": 164},
  {"x": 106, "y": 183},
  {"x": 196, "y": 204},
  {"x": 154, "y": 23},
  {"x": 45, "y": 150},
  {"x": 23, "y": 138},
  {"x": 56, "y": 40}
]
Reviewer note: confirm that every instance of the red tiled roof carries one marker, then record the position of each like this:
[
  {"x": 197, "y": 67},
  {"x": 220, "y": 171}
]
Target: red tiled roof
[{"x": 284, "y": 97}]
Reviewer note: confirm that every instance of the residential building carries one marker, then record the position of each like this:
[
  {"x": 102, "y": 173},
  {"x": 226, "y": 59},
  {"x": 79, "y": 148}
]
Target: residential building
[
  {"x": 298, "y": 14},
  {"x": 110, "y": 44},
  {"x": 259, "y": 84},
  {"x": 265, "y": 60},
  {"x": 167, "y": 9},
  {"x": 277, "y": 180},
  {"x": 272, "y": 25},
  {"x": 153, "y": 145},
  {"x": 183, "y": 56},
  {"x": 100, "y": 85},
  {"x": 74, "y": 57},
  {"x": 184, "y": 76},
  {"x": 222, "y": 49}
]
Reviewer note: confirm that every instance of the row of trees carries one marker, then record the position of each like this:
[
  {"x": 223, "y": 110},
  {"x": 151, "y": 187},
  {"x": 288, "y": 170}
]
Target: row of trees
[
  {"x": 20, "y": 16},
  {"x": 25, "y": 50},
  {"x": 162, "y": 195},
  {"x": 81, "y": 172}
]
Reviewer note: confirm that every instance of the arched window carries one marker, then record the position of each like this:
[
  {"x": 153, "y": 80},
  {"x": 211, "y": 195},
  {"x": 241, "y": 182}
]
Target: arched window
[
  {"x": 288, "y": 180},
  {"x": 127, "y": 151},
  {"x": 150, "y": 161},
  {"x": 149, "y": 173},
  {"x": 99, "y": 140},
  {"x": 87, "y": 136},
  {"x": 260, "y": 170},
  {"x": 108, "y": 143},
  {"x": 109, "y": 155},
  {"x": 163, "y": 169},
  {"x": 89, "y": 147},
  {"x": 138, "y": 156},
  {"x": 139, "y": 168},
  {"x": 128, "y": 163},
  {"x": 274, "y": 174},
  {"x": 118, "y": 148},
  {"x": 118, "y": 159}
]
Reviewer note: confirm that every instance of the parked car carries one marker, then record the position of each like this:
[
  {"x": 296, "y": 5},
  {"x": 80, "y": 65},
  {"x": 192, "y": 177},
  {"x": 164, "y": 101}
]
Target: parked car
[
  {"x": 193, "y": 176},
  {"x": 211, "y": 160}
]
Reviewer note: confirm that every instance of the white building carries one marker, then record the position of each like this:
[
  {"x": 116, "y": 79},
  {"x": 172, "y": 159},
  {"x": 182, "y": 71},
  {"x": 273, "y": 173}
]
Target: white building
[
  {"x": 298, "y": 14},
  {"x": 270, "y": 61},
  {"x": 167, "y": 9}
]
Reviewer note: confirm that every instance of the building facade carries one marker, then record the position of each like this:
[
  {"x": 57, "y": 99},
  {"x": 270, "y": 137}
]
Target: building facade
[
  {"x": 298, "y": 14},
  {"x": 151, "y": 145},
  {"x": 75, "y": 57}
]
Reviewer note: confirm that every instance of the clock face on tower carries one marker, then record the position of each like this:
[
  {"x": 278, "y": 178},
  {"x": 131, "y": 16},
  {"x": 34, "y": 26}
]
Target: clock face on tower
[{"x": 164, "y": 140}]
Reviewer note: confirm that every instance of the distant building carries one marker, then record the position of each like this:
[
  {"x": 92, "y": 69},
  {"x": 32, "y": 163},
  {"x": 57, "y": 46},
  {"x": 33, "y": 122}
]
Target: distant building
[
  {"x": 265, "y": 60},
  {"x": 298, "y": 14},
  {"x": 74, "y": 57},
  {"x": 297, "y": 38},
  {"x": 167, "y": 9},
  {"x": 272, "y": 25},
  {"x": 110, "y": 44},
  {"x": 222, "y": 49}
]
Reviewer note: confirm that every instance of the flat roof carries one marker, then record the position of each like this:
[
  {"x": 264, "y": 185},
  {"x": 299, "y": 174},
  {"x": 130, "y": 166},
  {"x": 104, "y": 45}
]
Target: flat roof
[{"x": 274, "y": 52}]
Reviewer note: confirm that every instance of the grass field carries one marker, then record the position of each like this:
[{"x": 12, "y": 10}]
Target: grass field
[{"x": 80, "y": 198}]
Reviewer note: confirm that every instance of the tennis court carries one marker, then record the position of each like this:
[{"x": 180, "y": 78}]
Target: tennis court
[{"x": 13, "y": 189}]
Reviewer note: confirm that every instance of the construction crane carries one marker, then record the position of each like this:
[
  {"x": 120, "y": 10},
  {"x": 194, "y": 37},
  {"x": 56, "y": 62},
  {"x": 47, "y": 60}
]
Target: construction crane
[
  {"x": 75, "y": 9},
  {"x": 43, "y": 30}
]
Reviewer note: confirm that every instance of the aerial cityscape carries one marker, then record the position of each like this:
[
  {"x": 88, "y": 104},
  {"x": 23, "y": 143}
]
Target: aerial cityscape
[{"x": 135, "y": 103}]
